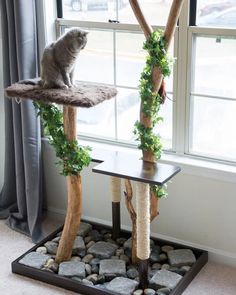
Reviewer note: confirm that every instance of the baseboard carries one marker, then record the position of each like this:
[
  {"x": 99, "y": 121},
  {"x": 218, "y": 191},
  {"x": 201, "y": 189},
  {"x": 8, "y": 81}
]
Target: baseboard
[{"x": 215, "y": 255}]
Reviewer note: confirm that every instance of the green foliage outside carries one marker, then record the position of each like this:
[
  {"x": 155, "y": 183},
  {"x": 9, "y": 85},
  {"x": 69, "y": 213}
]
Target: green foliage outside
[
  {"x": 71, "y": 157},
  {"x": 151, "y": 101}
]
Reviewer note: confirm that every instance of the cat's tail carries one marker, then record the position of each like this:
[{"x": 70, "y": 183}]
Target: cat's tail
[{"x": 35, "y": 81}]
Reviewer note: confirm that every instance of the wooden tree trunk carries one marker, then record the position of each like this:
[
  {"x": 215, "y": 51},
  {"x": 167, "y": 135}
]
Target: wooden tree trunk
[
  {"x": 157, "y": 78},
  {"x": 74, "y": 191},
  {"x": 128, "y": 201}
]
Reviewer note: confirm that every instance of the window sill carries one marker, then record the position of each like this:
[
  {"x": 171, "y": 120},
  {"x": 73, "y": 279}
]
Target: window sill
[{"x": 189, "y": 165}]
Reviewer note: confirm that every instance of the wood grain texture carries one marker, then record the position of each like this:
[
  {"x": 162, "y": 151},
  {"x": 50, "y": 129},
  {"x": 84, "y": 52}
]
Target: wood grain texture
[
  {"x": 74, "y": 198},
  {"x": 133, "y": 216}
]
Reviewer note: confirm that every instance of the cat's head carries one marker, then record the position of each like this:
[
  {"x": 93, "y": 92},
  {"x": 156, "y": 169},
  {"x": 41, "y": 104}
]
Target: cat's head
[{"x": 76, "y": 39}]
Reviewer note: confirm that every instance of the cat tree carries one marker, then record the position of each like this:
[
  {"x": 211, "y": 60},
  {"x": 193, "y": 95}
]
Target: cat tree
[{"x": 144, "y": 172}]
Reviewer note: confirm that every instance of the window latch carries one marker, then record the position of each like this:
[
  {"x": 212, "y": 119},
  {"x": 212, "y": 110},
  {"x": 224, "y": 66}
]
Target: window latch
[{"x": 113, "y": 21}]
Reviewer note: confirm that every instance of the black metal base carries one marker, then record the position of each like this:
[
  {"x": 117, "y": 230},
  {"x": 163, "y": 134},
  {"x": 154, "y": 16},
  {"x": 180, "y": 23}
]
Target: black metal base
[{"x": 72, "y": 285}]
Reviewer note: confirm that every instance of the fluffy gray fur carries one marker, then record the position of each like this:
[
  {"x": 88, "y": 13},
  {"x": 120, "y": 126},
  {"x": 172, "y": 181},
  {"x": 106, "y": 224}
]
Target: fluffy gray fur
[{"x": 59, "y": 57}]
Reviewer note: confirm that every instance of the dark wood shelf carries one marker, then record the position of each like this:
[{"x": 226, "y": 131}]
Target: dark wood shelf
[{"x": 132, "y": 167}]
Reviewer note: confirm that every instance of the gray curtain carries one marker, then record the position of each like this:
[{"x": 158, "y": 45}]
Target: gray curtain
[{"x": 21, "y": 196}]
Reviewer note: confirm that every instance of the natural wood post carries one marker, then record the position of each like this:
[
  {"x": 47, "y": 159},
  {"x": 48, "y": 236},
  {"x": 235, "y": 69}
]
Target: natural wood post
[
  {"x": 74, "y": 191},
  {"x": 144, "y": 195},
  {"x": 128, "y": 201},
  {"x": 116, "y": 197}
]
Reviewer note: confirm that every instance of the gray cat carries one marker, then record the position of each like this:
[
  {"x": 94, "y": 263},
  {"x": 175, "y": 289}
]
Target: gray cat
[
  {"x": 59, "y": 58},
  {"x": 58, "y": 61}
]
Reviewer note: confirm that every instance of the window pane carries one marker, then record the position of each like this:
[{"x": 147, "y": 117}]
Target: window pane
[
  {"x": 95, "y": 63},
  {"x": 215, "y": 66},
  {"x": 90, "y": 10},
  {"x": 213, "y": 131},
  {"x": 130, "y": 58},
  {"x": 165, "y": 128},
  {"x": 216, "y": 13},
  {"x": 98, "y": 121},
  {"x": 128, "y": 106},
  {"x": 156, "y": 12}
]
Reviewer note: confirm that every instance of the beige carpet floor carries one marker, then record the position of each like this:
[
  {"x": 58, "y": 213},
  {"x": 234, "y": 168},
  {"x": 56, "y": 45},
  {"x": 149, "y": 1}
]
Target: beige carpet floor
[{"x": 214, "y": 279}]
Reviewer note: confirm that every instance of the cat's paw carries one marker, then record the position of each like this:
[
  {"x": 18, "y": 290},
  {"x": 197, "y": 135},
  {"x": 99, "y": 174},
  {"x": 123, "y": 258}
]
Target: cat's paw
[{"x": 64, "y": 87}]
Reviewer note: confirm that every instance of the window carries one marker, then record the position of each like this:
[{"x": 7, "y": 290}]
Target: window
[
  {"x": 212, "y": 98},
  {"x": 199, "y": 112}
]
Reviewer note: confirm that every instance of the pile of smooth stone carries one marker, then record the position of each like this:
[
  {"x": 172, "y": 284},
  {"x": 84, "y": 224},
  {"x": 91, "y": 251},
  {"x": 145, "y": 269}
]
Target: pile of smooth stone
[{"x": 99, "y": 261}]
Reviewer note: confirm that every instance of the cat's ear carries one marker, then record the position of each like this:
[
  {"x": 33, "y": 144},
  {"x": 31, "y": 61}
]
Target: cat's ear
[{"x": 86, "y": 33}]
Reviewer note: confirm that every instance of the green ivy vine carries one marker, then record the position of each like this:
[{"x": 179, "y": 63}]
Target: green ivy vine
[
  {"x": 71, "y": 157},
  {"x": 155, "y": 45}
]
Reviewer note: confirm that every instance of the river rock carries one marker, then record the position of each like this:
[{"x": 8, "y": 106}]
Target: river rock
[
  {"x": 87, "y": 282},
  {"x": 132, "y": 273},
  {"x": 95, "y": 261},
  {"x": 128, "y": 244},
  {"x": 111, "y": 266},
  {"x": 95, "y": 235},
  {"x": 164, "y": 278},
  {"x": 51, "y": 247},
  {"x": 79, "y": 246},
  {"x": 84, "y": 229},
  {"x": 88, "y": 269},
  {"x": 103, "y": 249},
  {"x": 125, "y": 258},
  {"x": 181, "y": 257},
  {"x": 34, "y": 259},
  {"x": 122, "y": 286},
  {"x": 87, "y": 258},
  {"x": 138, "y": 292},
  {"x": 95, "y": 268},
  {"x": 92, "y": 278},
  {"x": 149, "y": 291},
  {"x": 90, "y": 244},
  {"x": 154, "y": 257},
  {"x": 56, "y": 240},
  {"x": 75, "y": 258},
  {"x": 166, "y": 248},
  {"x": 42, "y": 250},
  {"x": 156, "y": 266},
  {"x": 121, "y": 241},
  {"x": 100, "y": 279},
  {"x": 72, "y": 269}
]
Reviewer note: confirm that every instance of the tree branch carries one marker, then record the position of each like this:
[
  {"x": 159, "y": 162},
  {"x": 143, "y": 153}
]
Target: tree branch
[{"x": 153, "y": 206}]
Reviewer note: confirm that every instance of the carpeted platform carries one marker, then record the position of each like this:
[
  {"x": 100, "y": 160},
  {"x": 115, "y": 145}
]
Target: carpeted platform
[{"x": 84, "y": 95}]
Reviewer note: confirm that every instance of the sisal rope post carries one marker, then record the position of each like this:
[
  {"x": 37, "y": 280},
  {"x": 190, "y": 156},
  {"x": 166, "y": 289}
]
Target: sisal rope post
[
  {"x": 74, "y": 192},
  {"x": 115, "y": 183},
  {"x": 143, "y": 229}
]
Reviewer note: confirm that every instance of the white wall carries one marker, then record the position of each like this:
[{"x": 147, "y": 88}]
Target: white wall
[
  {"x": 199, "y": 211},
  {"x": 2, "y": 143}
]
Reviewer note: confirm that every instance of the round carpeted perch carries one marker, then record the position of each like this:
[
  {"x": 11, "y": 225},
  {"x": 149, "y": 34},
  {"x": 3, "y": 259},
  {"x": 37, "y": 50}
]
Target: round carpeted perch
[{"x": 82, "y": 95}]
